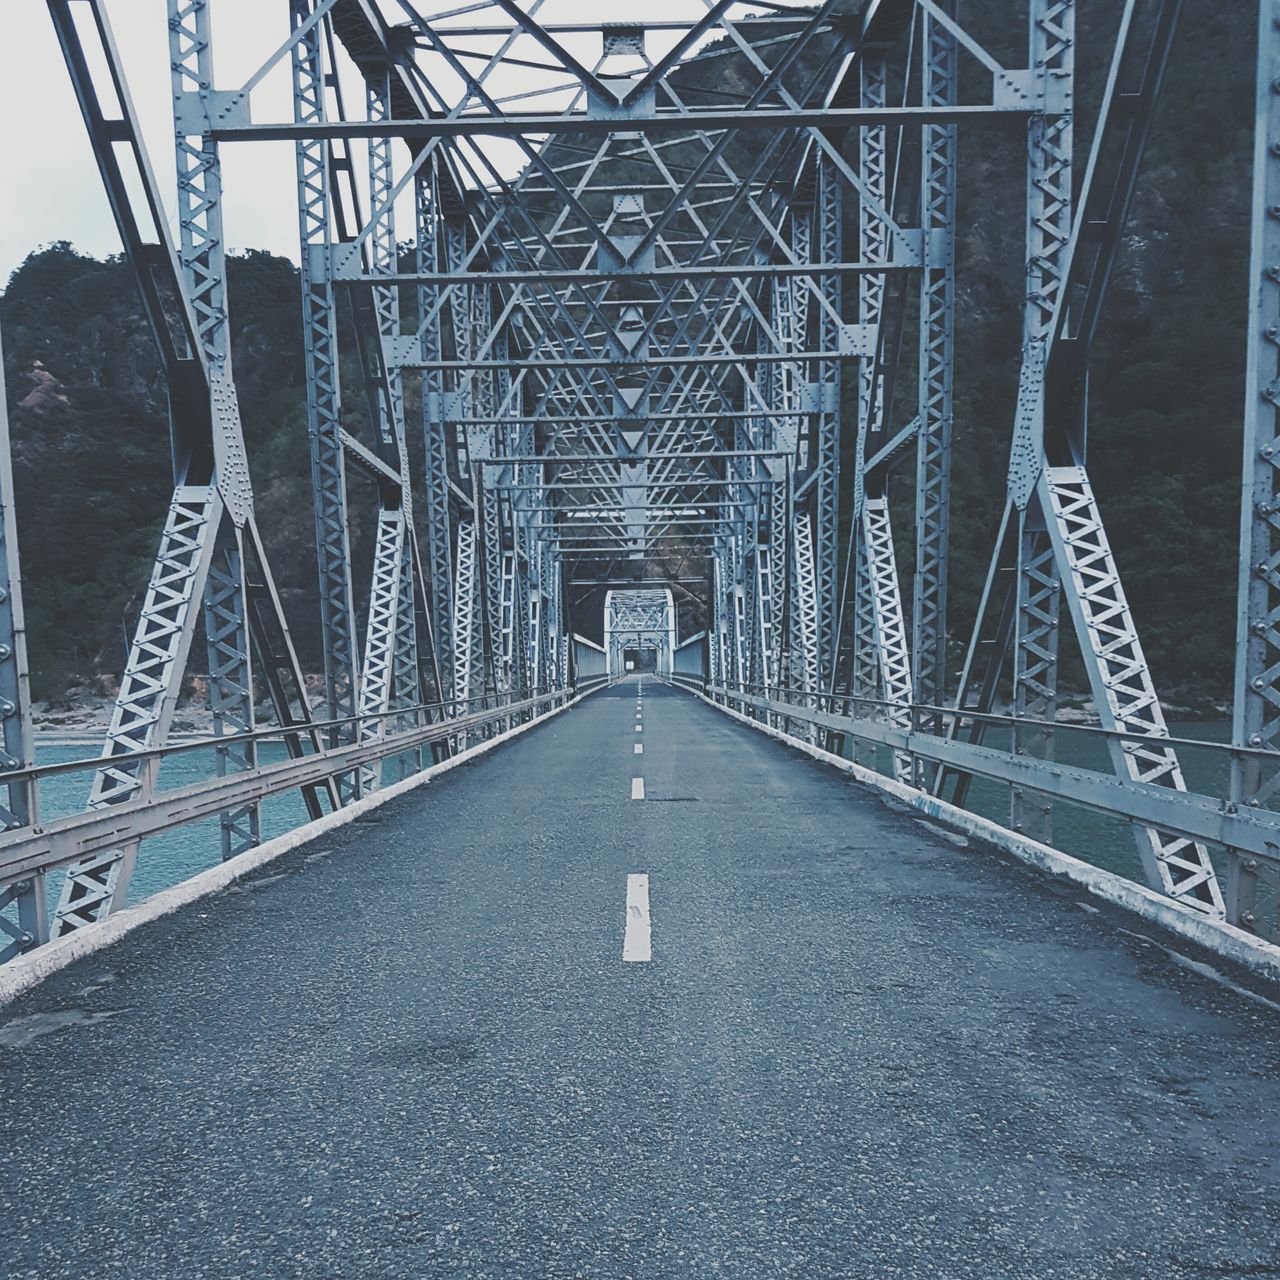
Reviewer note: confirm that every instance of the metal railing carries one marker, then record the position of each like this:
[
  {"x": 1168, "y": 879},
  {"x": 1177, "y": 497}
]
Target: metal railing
[
  {"x": 929, "y": 738},
  {"x": 29, "y": 852}
]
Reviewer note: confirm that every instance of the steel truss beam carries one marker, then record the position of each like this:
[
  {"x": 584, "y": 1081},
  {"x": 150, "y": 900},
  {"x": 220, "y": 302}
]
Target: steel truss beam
[{"x": 632, "y": 346}]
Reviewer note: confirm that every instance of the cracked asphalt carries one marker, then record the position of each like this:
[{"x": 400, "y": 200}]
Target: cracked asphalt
[{"x": 862, "y": 1048}]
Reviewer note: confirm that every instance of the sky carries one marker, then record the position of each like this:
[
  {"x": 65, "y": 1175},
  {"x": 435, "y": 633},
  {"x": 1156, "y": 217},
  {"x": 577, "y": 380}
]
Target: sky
[{"x": 49, "y": 186}]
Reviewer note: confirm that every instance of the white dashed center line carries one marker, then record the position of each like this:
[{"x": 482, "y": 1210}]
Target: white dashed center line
[
  {"x": 637, "y": 788},
  {"x": 636, "y": 942},
  {"x": 639, "y": 749}
]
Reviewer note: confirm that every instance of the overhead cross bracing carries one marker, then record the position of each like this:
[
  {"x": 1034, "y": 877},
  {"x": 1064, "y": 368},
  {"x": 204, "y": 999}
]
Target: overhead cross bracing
[{"x": 662, "y": 300}]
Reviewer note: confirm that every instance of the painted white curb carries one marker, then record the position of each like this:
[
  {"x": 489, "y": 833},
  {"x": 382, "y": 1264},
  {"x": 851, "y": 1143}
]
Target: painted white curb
[
  {"x": 1252, "y": 953},
  {"x": 26, "y": 971}
]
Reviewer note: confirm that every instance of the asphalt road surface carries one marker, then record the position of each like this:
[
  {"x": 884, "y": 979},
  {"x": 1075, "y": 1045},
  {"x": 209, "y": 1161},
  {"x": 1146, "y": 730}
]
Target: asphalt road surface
[{"x": 754, "y": 1024}]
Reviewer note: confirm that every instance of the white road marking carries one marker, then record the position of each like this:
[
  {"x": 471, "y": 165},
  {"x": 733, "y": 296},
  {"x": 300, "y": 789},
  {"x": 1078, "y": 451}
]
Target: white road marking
[
  {"x": 639, "y": 749},
  {"x": 639, "y": 729},
  {"x": 636, "y": 942},
  {"x": 637, "y": 788}
]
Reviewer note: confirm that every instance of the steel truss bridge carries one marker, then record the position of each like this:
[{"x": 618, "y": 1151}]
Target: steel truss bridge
[{"x": 616, "y": 331}]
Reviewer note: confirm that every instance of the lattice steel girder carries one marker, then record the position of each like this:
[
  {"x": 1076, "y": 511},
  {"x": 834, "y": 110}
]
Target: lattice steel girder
[
  {"x": 148, "y": 694},
  {"x": 805, "y": 615},
  {"x": 380, "y": 633},
  {"x": 468, "y": 676},
  {"x": 888, "y": 624},
  {"x": 1119, "y": 678}
]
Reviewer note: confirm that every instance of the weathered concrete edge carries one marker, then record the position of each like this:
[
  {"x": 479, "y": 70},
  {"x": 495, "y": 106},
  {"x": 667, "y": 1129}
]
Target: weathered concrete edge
[
  {"x": 27, "y": 971},
  {"x": 1251, "y": 953}
]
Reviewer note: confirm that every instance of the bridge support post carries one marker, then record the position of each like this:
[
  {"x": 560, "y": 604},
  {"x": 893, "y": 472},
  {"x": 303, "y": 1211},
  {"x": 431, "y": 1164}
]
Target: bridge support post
[
  {"x": 324, "y": 397},
  {"x": 24, "y": 918},
  {"x": 936, "y": 358},
  {"x": 1253, "y": 891}
]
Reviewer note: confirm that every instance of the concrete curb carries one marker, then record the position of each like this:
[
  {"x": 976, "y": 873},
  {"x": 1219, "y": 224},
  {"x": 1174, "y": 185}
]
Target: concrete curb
[
  {"x": 1241, "y": 948},
  {"x": 27, "y": 971}
]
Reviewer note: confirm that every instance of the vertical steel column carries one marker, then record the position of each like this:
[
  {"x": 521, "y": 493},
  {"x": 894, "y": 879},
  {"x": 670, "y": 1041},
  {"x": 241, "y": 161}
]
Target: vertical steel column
[
  {"x": 387, "y": 629},
  {"x": 202, "y": 252},
  {"x": 829, "y": 248},
  {"x": 231, "y": 678},
  {"x": 1049, "y": 155},
  {"x": 719, "y": 646},
  {"x": 780, "y": 575},
  {"x": 324, "y": 427},
  {"x": 937, "y": 353},
  {"x": 28, "y": 924},
  {"x": 873, "y": 246},
  {"x": 1251, "y": 899},
  {"x": 805, "y": 636},
  {"x": 384, "y": 261},
  {"x": 439, "y": 538}
]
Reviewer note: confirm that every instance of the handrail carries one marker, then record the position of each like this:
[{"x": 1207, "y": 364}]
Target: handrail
[
  {"x": 45, "y": 846},
  {"x": 270, "y": 733},
  {"x": 1239, "y": 829},
  {"x": 921, "y": 709}
]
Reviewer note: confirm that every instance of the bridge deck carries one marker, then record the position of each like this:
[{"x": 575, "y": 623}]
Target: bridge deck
[{"x": 859, "y": 1050}]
